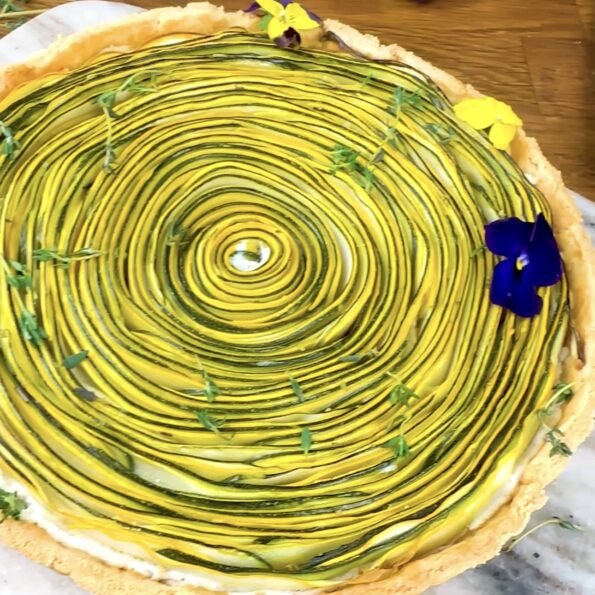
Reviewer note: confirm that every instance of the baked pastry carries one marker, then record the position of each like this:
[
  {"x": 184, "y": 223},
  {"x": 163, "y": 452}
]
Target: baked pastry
[{"x": 248, "y": 337}]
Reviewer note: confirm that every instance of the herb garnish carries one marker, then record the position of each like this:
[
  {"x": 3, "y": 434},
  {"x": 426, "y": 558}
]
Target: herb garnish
[
  {"x": 558, "y": 447},
  {"x": 402, "y": 98},
  {"x": 210, "y": 423},
  {"x": 306, "y": 440},
  {"x": 443, "y": 134},
  {"x": 346, "y": 159},
  {"x": 72, "y": 361},
  {"x": 212, "y": 391},
  {"x": 30, "y": 329},
  {"x": 22, "y": 280},
  {"x": 62, "y": 260},
  {"x": 11, "y": 505},
  {"x": 10, "y": 146},
  {"x": 555, "y": 520},
  {"x": 401, "y": 394},
  {"x": 399, "y": 446},
  {"x": 297, "y": 389},
  {"x": 562, "y": 393},
  {"x": 107, "y": 102}
]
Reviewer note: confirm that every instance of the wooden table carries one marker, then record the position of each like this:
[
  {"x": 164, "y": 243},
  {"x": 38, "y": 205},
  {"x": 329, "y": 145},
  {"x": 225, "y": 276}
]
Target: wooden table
[{"x": 538, "y": 55}]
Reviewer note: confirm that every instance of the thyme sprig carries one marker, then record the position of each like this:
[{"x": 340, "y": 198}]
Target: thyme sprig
[
  {"x": 400, "y": 446},
  {"x": 555, "y": 520},
  {"x": 442, "y": 133},
  {"x": 562, "y": 394},
  {"x": 558, "y": 447},
  {"x": 30, "y": 329},
  {"x": 209, "y": 422},
  {"x": 11, "y": 505},
  {"x": 12, "y": 15},
  {"x": 63, "y": 260},
  {"x": 136, "y": 85},
  {"x": 348, "y": 160},
  {"x": 212, "y": 391},
  {"x": 10, "y": 146},
  {"x": 402, "y": 99},
  {"x": 401, "y": 395}
]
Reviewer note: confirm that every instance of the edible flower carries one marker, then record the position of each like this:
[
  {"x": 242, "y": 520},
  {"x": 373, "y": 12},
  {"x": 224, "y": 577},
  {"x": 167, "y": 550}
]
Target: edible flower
[
  {"x": 532, "y": 260},
  {"x": 487, "y": 112},
  {"x": 285, "y": 20}
]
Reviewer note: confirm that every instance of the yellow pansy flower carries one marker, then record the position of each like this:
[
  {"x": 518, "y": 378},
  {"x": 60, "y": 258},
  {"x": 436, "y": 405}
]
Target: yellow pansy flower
[
  {"x": 486, "y": 112},
  {"x": 286, "y": 15}
]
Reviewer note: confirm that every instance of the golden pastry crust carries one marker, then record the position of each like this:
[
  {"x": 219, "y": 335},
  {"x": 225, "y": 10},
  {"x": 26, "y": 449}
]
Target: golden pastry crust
[{"x": 477, "y": 546}]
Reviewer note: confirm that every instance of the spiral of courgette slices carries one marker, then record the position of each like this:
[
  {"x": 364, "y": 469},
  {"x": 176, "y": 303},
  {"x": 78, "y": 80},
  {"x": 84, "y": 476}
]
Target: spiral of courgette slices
[{"x": 293, "y": 368}]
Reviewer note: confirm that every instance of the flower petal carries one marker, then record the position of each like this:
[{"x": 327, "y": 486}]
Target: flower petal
[
  {"x": 508, "y": 237},
  {"x": 276, "y": 28},
  {"x": 511, "y": 289},
  {"x": 271, "y": 6},
  {"x": 290, "y": 39},
  {"x": 506, "y": 115},
  {"x": 299, "y": 18},
  {"x": 542, "y": 232},
  {"x": 479, "y": 113},
  {"x": 545, "y": 265},
  {"x": 501, "y": 135}
]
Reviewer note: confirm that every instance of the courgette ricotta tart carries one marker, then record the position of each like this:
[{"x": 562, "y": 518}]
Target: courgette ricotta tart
[{"x": 277, "y": 319}]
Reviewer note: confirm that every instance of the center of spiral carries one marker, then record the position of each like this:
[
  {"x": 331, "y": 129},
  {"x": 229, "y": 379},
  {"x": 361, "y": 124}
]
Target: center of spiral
[{"x": 249, "y": 255}]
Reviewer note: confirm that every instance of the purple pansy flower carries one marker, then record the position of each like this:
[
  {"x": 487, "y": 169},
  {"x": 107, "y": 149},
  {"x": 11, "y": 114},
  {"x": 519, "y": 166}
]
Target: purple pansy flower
[{"x": 533, "y": 260}]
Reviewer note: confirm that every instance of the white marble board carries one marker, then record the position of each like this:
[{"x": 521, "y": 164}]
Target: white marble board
[{"x": 552, "y": 561}]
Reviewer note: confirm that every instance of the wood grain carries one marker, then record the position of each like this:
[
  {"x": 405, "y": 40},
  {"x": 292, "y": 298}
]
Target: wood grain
[{"x": 538, "y": 56}]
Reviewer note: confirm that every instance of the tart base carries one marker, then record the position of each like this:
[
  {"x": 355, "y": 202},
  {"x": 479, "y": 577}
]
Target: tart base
[{"x": 477, "y": 546}]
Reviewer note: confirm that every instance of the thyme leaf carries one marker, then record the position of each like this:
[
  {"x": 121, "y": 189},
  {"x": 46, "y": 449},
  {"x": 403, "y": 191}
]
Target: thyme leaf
[
  {"x": 212, "y": 391},
  {"x": 399, "y": 446},
  {"x": 11, "y": 505},
  {"x": 208, "y": 422},
  {"x": 558, "y": 447},
  {"x": 401, "y": 395},
  {"x": 297, "y": 389},
  {"x": 10, "y": 146},
  {"x": 30, "y": 329},
  {"x": 22, "y": 279},
  {"x": 72, "y": 361},
  {"x": 306, "y": 440}
]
